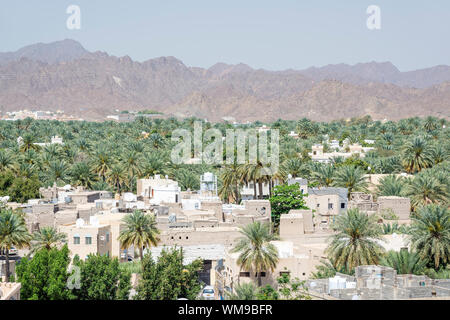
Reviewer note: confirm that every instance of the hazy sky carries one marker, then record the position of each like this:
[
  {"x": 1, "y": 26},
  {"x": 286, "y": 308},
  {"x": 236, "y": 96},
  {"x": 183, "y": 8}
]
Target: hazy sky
[{"x": 273, "y": 34}]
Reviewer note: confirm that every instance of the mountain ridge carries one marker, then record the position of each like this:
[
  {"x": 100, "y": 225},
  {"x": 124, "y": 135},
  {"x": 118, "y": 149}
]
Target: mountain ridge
[{"x": 93, "y": 84}]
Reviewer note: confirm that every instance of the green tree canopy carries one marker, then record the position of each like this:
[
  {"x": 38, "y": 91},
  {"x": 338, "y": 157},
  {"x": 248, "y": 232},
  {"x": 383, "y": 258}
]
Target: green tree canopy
[
  {"x": 168, "y": 278},
  {"x": 44, "y": 277},
  {"x": 102, "y": 279},
  {"x": 284, "y": 199}
]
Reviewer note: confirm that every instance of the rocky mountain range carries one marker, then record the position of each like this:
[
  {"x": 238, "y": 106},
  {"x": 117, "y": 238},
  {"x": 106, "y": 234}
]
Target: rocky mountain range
[{"x": 63, "y": 75}]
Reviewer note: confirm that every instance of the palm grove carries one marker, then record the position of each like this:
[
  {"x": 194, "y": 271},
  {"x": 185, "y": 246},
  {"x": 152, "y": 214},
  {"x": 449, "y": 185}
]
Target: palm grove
[{"x": 112, "y": 156}]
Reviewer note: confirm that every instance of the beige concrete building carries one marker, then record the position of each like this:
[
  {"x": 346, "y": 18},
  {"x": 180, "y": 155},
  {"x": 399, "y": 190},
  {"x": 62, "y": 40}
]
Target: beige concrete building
[
  {"x": 384, "y": 206},
  {"x": 326, "y": 204},
  {"x": 296, "y": 224},
  {"x": 297, "y": 260},
  {"x": 84, "y": 239}
]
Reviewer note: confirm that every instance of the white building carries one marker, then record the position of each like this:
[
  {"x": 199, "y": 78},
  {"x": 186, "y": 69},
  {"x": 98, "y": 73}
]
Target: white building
[{"x": 159, "y": 190}]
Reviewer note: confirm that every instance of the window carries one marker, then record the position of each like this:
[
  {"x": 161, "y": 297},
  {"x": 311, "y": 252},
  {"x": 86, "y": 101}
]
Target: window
[
  {"x": 330, "y": 206},
  {"x": 244, "y": 274},
  {"x": 263, "y": 274},
  {"x": 342, "y": 205},
  {"x": 107, "y": 237},
  {"x": 76, "y": 240},
  {"x": 88, "y": 240},
  {"x": 318, "y": 205},
  {"x": 282, "y": 273}
]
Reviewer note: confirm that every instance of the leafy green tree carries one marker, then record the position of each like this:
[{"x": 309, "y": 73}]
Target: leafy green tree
[
  {"x": 404, "y": 262},
  {"x": 256, "y": 253},
  {"x": 47, "y": 238},
  {"x": 13, "y": 233},
  {"x": 19, "y": 189},
  {"x": 430, "y": 234},
  {"x": 140, "y": 231},
  {"x": 354, "y": 243},
  {"x": 168, "y": 278},
  {"x": 44, "y": 277},
  {"x": 267, "y": 292},
  {"x": 102, "y": 279},
  {"x": 292, "y": 289},
  {"x": 285, "y": 198}
]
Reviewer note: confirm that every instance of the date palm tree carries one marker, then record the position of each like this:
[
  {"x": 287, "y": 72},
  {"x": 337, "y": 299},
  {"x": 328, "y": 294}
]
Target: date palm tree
[
  {"x": 256, "y": 252},
  {"x": 416, "y": 155},
  {"x": 430, "y": 234},
  {"x": 243, "y": 291},
  {"x": 116, "y": 177},
  {"x": 47, "y": 238},
  {"x": 81, "y": 174},
  {"x": 426, "y": 189},
  {"x": 354, "y": 243},
  {"x": 230, "y": 183},
  {"x": 101, "y": 162},
  {"x": 13, "y": 233},
  {"x": 28, "y": 143},
  {"x": 324, "y": 175},
  {"x": 6, "y": 160},
  {"x": 294, "y": 167},
  {"x": 350, "y": 177},
  {"x": 404, "y": 262},
  {"x": 140, "y": 231},
  {"x": 57, "y": 172},
  {"x": 391, "y": 185}
]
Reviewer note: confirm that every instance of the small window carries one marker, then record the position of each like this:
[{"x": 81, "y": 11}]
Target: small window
[
  {"x": 282, "y": 273},
  {"x": 330, "y": 206},
  {"x": 318, "y": 205},
  {"x": 263, "y": 274},
  {"x": 244, "y": 274},
  {"x": 342, "y": 205},
  {"x": 88, "y": 240},
  {"x": 76, "y": 240},
  {"x": 107, "y": 237}
]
